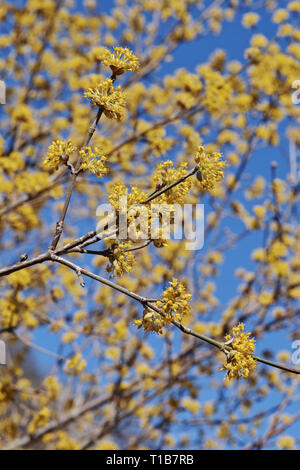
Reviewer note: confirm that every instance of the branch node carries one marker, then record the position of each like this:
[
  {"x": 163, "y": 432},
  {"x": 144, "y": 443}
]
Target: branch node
[
  {"x": 23, "y": 257},
  {"x": 80, "y": 278}
]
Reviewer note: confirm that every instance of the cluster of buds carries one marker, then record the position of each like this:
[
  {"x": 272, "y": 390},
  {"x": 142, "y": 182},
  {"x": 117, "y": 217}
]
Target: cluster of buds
[{"x": 210, "y": 168}]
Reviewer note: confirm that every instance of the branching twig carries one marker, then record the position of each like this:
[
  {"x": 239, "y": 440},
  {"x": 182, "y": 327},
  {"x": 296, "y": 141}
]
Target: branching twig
[
  {"x": 148, "y": 303},
  {"x": 38, "y": 348}
]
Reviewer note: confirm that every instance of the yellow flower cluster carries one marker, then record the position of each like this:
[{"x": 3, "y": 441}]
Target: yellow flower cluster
[
  {"x": 90, "y": 161},
  {"x": 22, "y": 115},
  {"x": 15, "y": 309},
  {"x": 175, "y": 301},
  {"x": 174, "y": 306},
  {"x": 217, "y": 92},
  {"x": 6, "y": 390},
  {"x": 140, "y": 222},
  {"x": 75, "y": 365},
  {"x": 240, "y": 361},
  {"x": 250, "y": 19},
  {"x": 130, "y": 209},
  {"x": 110, "y": 100},
  {"x": 210, "y": 168},
  {"x": 294, "y": 6},
  {"x": 280, "y": 15},
  {"x": 159, "y": 144},
  {"x": 40, "y": 420},
  {"x": 59, "y": 152},
  {"x": 188, "y": 86},
  {"x": 120, "y": 61},
  {"x": 121, "y": 259},
  {"x": 274, "y": 256},
  {"x": 164, "y": 175},
  {"x": 136, "y": 196},
  {"x": 52, "y": 388},
  {"x": 60, "y": 440},
  {"x": 286, "y": 442},
  {"x": 23, "y": 219}
]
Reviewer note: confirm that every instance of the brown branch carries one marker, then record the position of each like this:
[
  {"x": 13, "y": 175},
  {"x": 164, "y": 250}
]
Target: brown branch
[
  {"x": 60, "y": 223},
  {"x": 24, "y": 264},
  {"x": 94, "y": 237},
  {"x": 170, "y": 186},
  {"x": 148, "y": 303}
]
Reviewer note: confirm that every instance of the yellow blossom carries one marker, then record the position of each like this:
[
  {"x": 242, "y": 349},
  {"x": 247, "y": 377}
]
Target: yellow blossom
[
  {"x": 191, "y": 405},
  {"x": 120, "y": 61},
  {"x": 210, "y": 168},
  {"x": 40, "y": 419},
  {"x": 265, "y": 298},
  {"x": 174, "y": 306},
  {"x": 294, "y": 6},
  {"x": 107, "y": 98},
  {"x": 69, "y": 337},
  {"x": 259, "y": 40},
  {"x": 75, "y": 365},
  {"x": 107, "y": 445},
  {"x": 121, "y": 259},
  {"x": 280, "y": 15},
  {"x": 250, "y": 19},
  {"x": 166, "y": 174},
  {"x": 286, "y": 442},
  {"x": 59, "y": 152},
  {"x": 90, "y": 161},
  {"x": 65, "y": 442},
  {"x": 239, "y": 360}
]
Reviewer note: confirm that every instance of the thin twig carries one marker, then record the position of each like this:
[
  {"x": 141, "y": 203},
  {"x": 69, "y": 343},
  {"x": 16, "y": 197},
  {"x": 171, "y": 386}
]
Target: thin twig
[
  {"x": 170, "y": 186},
  {"x": 148, "y": 303},
  {"x": 38, "y": 348}
]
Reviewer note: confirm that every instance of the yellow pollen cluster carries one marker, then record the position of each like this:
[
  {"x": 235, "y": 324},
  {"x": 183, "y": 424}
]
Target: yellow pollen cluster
[
  {"x": 110, "y": 100},
  {"x": 210, "y": 168},
  {"x": 120, "y": 61},
  {"x": 294, "y": 6},
  {"x": 136, "y": 196},
  {"x": 166, "y": 174},
  {"x": 250, "y": 19},
  {"x": 59, "y": 152},
  {"x": 129, "y": 208},
  {"x": 75, "y": 365},
  {"x": 90, "y": 161},
  {"x": 239, "y": 361},
  {"x": 40, "y": 420},
  {"x": 121, "y": 259},
  {"x": 174, "y": 306}
]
